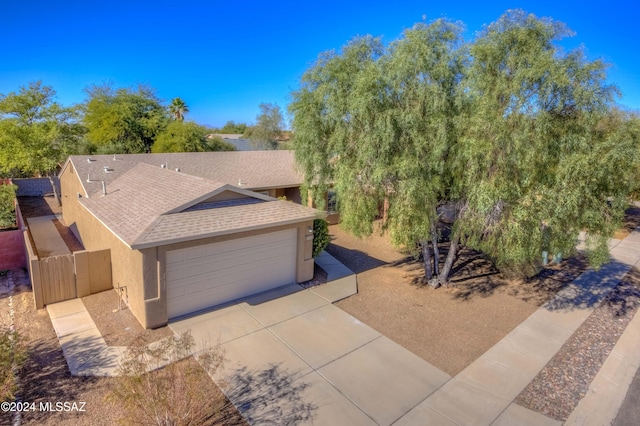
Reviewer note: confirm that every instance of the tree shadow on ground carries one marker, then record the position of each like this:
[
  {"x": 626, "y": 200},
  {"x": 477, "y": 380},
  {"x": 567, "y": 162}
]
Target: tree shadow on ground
[
  {"x": 46, "y": 377},
  {"x": 589, "y": 290},
  {"x": 549, "y": 281},
  {"x": 474, "y": 275},
  {"x": 626, "y": 297},
  {"x": 631, "y": 218},
  {"x": 356, "y": 260},
  {"x": 269, "y": 397}
]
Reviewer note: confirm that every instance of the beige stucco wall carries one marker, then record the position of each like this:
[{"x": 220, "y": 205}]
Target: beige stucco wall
[
  {"x": 143, "y": 271},
  {"x": 126, "y": 264}
]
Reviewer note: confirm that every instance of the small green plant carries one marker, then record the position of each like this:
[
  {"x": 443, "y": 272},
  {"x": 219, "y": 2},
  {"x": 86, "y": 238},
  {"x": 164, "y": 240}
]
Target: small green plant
[
  {"x": 7, "y": 206},
  {"x": 320, "y": 236},
  {"x": 13, "y": 354},
  {"x": 175, "y": 394}
]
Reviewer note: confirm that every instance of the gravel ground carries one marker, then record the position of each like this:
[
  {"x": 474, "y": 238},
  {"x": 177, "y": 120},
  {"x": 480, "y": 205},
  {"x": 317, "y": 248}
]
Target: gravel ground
[
  {"x": 119, "y": 328},
  {"x": 45, "y": 376},
  {"x": 448, "y": 327},
  {"x": 558, "y": 388}
]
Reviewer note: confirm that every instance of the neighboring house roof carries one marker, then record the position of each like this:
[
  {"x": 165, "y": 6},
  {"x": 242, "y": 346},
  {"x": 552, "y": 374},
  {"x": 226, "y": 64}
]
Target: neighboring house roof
[
  {"x": 148, "y": 206},
  {"x": 228, "y": 136},
  {"x": 246, "y": 169}
]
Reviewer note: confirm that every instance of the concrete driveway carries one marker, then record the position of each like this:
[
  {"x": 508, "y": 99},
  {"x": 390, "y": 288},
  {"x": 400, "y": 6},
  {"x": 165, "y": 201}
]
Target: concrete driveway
[{"x": 294, "y": 358}]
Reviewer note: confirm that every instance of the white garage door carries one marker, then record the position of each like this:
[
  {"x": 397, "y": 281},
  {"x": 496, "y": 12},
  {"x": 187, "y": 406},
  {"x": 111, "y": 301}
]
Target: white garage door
[{"x": 208, "y": 275}]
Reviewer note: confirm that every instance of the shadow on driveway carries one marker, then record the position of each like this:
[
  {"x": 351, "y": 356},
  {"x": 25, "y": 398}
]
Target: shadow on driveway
[{"x": 269, "y": 396}]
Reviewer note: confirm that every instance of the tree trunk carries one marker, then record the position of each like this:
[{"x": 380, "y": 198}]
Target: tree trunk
[
  {"x": 443, "y": 278},
  {"x": 426, "y": 258},
  {"x": 385, "y": 210},
  {"x": 436, "y": 252}
]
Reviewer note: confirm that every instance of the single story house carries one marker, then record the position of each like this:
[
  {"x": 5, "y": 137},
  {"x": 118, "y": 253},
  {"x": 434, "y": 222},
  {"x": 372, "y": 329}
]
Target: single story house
[{"x": 188, "y": 231}]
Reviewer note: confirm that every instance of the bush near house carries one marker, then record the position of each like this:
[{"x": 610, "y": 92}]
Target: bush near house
[
  {"x": 171, "y": 395},
  {"x": 12, "y": 355},
  {"x": 7, "y": 206},
  {"x": 320, "y": 236}
]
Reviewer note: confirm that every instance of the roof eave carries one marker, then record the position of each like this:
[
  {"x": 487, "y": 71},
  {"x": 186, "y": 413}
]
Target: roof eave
[{"x": 142, "y": 245}]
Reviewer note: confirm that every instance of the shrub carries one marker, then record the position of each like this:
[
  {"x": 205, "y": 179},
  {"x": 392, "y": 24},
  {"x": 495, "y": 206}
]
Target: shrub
[
  {"x": 13, "y": 353},
  {"x": 320, "y": 236},
  {"x": 7, "y": 206},
  {"x": 172, "y": 395}
]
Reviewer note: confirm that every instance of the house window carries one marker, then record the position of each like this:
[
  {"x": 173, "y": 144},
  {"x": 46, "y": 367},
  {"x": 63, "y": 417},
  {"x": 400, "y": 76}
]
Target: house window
[{"x": 332, "y": 201}]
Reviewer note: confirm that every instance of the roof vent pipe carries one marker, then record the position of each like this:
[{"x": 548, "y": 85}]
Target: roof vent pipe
[
  {"x": 104, "y": 189},
  {"x": 177, "y": 169},
  {"x": 163, "y": 165},
  {"x": 88, "y": 177}
]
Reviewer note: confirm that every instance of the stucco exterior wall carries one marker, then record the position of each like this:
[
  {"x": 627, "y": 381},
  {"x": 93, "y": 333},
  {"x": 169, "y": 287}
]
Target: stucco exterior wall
[
  {"x": 35, "y": 187},
  {"x": 12, "y": 250},
  {"x": 143, "y": 271},
  {"x": 13, "y": 253},
  {"x": 126, "y": 264}
]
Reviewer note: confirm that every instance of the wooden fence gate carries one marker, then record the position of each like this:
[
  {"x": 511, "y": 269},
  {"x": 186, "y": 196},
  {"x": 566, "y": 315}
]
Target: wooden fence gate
[
  {"x": 68, "y": 276},
  {"x": 57, "y": 278}
]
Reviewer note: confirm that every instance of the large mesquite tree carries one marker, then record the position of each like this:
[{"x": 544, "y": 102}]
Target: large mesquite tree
[
  {"x": 379, "y": 123},
  {"x": 536, "y": 169},
  {"x": 505, "y": 129}
]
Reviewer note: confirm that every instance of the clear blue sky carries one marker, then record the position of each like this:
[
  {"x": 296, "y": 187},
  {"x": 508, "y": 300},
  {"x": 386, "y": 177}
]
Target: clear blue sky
[{"x": 224, "y": 57}]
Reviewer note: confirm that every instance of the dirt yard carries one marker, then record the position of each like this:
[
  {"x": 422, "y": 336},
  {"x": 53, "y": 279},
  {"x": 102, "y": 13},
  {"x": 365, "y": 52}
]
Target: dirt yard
[
  {"x": 448, "y": 327},
  {"x": 45, "y": 376}
]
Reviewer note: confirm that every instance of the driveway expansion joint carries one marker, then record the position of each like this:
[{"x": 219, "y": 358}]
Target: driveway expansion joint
[{"x": 366, "y": 402}]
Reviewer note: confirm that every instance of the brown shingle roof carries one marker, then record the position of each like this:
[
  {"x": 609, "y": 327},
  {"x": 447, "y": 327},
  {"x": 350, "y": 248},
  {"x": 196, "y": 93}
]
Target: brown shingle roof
[
  {"x": 177, "y": 227},
  {"x": 145, "y": 207},
  {"x": 247, "y": 169}
]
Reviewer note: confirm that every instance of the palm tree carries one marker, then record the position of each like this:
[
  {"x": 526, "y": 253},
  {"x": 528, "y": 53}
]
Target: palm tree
[{"x": 178, "y": 109}]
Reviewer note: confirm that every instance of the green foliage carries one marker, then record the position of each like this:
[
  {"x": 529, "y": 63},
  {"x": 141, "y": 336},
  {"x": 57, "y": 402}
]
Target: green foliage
[
  {"x": 517, "y": 134},
  {"x": 378, "y": 121},
  {"x": 268, "y": 129},
  {"x": 320, "y": 236},
  {"x": 532, "y": 156},
  {"x": 13, "y": 354},
  {"x": 216, "y": 143},
  {"x": 171, "y": 395},
  {"x": 177, "y": 109},
  {"x": 179, "y": 136},
  {"x": 36, "y": 133},
  {"x": 123, "y": 120},
  {"x": 233, "y": 128},
  {"x": 7, "y": 206}
]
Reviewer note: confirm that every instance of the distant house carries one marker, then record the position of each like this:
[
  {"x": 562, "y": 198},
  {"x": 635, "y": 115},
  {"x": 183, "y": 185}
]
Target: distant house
[
  {"x": 188, "y": 231},
  {"x": 236, "y": 140}
]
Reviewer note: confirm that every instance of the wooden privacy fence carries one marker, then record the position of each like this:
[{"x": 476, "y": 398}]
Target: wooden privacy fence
[{"x": 69, "y": 276}]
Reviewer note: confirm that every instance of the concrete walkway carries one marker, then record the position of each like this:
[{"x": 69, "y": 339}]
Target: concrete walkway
[
  {"x": 482, "y": 393},
  {"x": 294, "y": 356},
  {"x": 84, "y": 348},
  {"x": 46, "y": 237}
]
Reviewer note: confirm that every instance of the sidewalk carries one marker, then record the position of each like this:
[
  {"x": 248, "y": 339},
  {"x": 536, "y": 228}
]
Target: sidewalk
[{"x": 482, "y": 394}]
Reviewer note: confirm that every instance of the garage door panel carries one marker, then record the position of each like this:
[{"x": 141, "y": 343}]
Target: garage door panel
[
  {"x": 265, "y": 268},
  {"x": 233, "y": 265},
  {"x": 221, "y": 272},
  {"x": 255, "y": 250}
]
